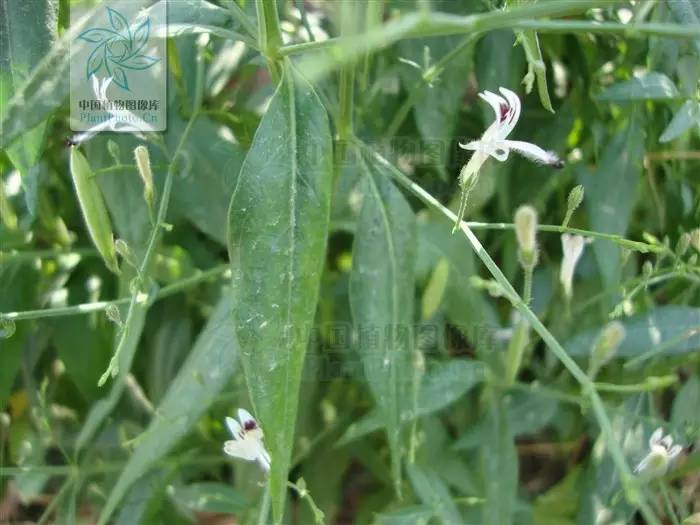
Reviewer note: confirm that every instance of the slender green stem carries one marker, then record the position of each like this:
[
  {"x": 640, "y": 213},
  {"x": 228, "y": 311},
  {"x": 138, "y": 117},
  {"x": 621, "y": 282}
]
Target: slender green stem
[
  {"x": 144, "y": 267},
  {"x": 99, "y": 306},
  {"x": 651, "y": 384},
  {"x": 269, "y": 35},
  {"x": 588, "y": 388},
  {"x": 521, "y": 17},
  {"x": 670, "y": 511},
  {"x": 638, "y": 246},
  {"x": 30, "y": 255},
  {"x": 264, "y": 515}
]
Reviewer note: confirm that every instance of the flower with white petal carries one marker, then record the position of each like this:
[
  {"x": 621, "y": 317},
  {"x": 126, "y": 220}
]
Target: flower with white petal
[
  {"x": 494, "y": 142},
  {"x": 572, "y": 246},
  {"x": 247, "y": 440},
  {"x": 661, "y": 452}
]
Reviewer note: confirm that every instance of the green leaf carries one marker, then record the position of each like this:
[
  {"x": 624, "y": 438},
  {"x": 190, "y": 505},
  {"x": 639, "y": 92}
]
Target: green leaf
[
  {"x": 685, "y": 406},
  {"x": 27, "y": 30},
  {"x": 415, "y": 515},
  {"x": 649, "y": 86},
  {"x": 686, "y": 117},
  {"x": 278, "y": 224},
  {"x": 204, "y": 193},
  {"x": 663, "y": 328},
  {"x": 433, "y": 492},
  {"x": 435, "y": 289},
  {"x": 499, "y": 463},
  {"x": 686, "y": 12},
  {"x": 207, "y": 369},
  {"x": 611, "y": 193},
  {"x": 211, "y": 497},
  {"x": 559, "y": 504},
  {"x": 381, "y": 301},
  {"x": 442, "y": 385}
]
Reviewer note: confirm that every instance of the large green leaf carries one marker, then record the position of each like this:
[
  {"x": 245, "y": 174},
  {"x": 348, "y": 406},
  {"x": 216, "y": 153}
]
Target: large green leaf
[
  {"x": 205, "y": 372},
  {"x": 441, "y": 386},
  {"x": 27, "y": 30},
  {"x": 651, "y": 85},
  {"x": 381, "y": 301},
  {"x": 499, "y": 461},
  {"x": 278, "y": 224},
  {"x": 611, "y": 193},
  {"x": 662, "y": 329},
  {"x": 433, "y": 492},
  {"x": 686, "y": 117}
]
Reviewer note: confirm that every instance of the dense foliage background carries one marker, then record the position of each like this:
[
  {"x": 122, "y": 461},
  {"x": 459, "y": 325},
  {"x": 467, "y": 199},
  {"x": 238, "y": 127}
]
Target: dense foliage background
[{"x": 291, "y": 267}]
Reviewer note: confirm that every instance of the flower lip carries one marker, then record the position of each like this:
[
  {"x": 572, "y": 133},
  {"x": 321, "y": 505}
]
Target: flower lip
[{"x": 503, "y": 108}]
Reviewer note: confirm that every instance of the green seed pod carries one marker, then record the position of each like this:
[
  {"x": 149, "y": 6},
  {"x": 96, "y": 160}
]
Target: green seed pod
[{"x": 93, "y": 207}]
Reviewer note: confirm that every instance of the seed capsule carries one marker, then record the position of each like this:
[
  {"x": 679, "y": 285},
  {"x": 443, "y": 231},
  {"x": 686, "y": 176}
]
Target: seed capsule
[{"x": 93, "y": 207}]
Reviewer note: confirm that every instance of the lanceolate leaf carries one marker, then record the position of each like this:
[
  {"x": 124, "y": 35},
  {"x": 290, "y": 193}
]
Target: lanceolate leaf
[
  {"x": 207, "y": 369},
  {"x": 278, "y": 223},
  {"x": 611, "y": 193},
  {"x": 27, "y": 30},
  {"x": 381, "y": 300}
]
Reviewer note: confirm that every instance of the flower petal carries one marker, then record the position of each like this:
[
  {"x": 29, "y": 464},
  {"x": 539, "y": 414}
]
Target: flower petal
[
  {"x": 243, "y": 449},
  {"x": 495, "y": 101},
  {"x": 656, "y": 437},
  {"x": 675, "y": 450},
  {"x": 513, "y": 114},
  {"x": 532, "y": 152},
  {"x": 234, "y": 427},
  {"x": 246, "y": 419},
  {"x": 473, "y": 145}
]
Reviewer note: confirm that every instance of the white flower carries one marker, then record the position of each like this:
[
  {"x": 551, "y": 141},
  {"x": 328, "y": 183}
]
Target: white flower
[
  {"x": 661, "y": 452},
  {"x": 572, "y": 246},
  {"x": 494, "y": 143},
  {"x": 247, "y": 440}
]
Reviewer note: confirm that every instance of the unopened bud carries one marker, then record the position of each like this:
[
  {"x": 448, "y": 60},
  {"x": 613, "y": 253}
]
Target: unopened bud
[
  {"x": 526, "y": 232},
  {"x": 58, "y": 368},
  {"x": 143, "y": 163},
  {"x": 572, "y": 246},
  {"x": 606, "y": 346},
  {"x": 112, "y": 312},
  {"x": 5, "y": 420}
]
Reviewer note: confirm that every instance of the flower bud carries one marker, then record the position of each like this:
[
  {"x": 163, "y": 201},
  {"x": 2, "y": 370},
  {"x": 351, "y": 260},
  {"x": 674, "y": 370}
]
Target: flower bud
[
  {"x": 606, "y": 346},
  {"x": 572, "y": 246},
  {"x": 143, "y": 163},
  {"x": 526, "y": 232},
  {"x": 112, "y": 313}
]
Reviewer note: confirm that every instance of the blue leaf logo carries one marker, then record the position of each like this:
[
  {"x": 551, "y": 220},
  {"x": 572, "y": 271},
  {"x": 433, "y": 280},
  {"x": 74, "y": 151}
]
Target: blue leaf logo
[{"x": 118, "y": 49}]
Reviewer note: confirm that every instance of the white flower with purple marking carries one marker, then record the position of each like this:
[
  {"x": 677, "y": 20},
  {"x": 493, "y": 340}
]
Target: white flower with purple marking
[
  {"x": 661, "y": 452},
  {"x": 494, "y": 142},
  {"x": 247, "y": 440}
]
